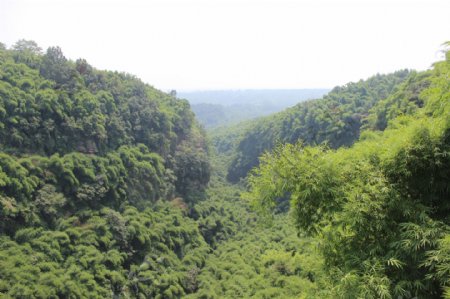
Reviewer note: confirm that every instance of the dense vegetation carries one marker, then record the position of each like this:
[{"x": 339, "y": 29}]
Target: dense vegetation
[
  {"x": 264, "y": 262},
  {"x": 336, "y": 120},
  {"x": 101, "y": 182},
  {"x": 52, "y": 106},
  {"x": 88, "y": 159},
  {"x": 108, "y": 189},
  {"x": 380, "y": 208}
]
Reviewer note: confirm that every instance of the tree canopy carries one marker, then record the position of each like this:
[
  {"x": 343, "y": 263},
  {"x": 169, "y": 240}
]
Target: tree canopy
[
  {"x": 335, "y": 120},
  {"x": 110, "y": 189},
  {"x": 90, "y": 164},
  {"x": 381, "y": 207}
]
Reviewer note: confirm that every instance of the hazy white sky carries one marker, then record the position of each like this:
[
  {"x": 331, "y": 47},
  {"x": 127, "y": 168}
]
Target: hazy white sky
[{"x": 218, "y": 44}]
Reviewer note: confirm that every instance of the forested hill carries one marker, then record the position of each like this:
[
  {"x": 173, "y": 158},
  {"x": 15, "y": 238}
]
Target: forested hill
[
  {"x": 372, "y": 217},
  {"x": 51, "y": 107},
  {"x": 336, "y": 119},
  {"x": 89, "y": 162},
  {"x": 108, "y": 189},
  {"x": 380, "y": 209}
]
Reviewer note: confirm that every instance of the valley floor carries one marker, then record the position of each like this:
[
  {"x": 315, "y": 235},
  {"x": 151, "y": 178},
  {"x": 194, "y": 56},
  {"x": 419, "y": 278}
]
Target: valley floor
[{"x": 255, "y": 257}]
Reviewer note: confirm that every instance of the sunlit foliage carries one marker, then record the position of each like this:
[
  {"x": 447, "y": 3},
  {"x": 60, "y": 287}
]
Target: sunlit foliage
[
  {"x": 380, "y": 208},
  {"x": 335, "y": 120}
]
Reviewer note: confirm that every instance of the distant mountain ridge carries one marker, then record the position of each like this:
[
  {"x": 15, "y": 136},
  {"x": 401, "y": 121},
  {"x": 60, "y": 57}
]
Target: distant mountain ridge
[
  {"x": 252, "y": 96},
  {"x": 335, "y": 119},
  {"x": 215, "y": 108}
]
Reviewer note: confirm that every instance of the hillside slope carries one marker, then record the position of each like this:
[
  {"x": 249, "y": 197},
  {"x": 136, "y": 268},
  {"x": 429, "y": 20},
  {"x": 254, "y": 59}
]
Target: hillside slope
[
  {"x": 380, "y": 209},
  {"x": 108, "y": 189},
  {"x": 50, "y": 105},
  {"x": 336, "y": 119},
  {"x": 90, "y": 164}
]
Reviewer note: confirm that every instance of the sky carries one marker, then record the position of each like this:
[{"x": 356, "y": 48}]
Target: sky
[{"x": 236, "y": 44}]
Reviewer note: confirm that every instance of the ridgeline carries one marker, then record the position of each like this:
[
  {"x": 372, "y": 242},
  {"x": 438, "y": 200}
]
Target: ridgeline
[{"x": 110, "y": 188}]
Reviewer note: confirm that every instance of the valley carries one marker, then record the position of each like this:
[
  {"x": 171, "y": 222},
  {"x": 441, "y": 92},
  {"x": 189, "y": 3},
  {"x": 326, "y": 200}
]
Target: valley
[{"x": 111, "y": 188}]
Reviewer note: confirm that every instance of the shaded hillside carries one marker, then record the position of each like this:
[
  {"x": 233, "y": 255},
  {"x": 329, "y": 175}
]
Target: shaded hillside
[
  {"x": 336, "y": 120},
  {"x": 109, "y": 190}
]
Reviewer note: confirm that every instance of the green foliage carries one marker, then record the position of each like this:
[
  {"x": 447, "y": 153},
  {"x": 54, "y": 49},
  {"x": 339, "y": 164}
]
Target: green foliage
[
  {"x": 89, "y": 162},
  {"x": 380, "y": 208},
  {"x": 263, "y": 262},
  {"x": 42, "y": 189},
  {"x": 102, "y": 176},
  {"x": 223, "y": 215},
  {"x": 405, "y": 100},
  {"x": 336, "y": 120},
  {"x": 101, "y": 254},
  {"x": 51, "y": 105},
  {"x": 309, "y": 176}
]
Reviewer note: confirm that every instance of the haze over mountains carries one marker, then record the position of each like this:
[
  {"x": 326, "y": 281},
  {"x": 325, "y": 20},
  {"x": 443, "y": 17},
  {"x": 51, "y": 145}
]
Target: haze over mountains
[
  {"x": 215, "y": 108},
  {"x": 109, "y": 188}
]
